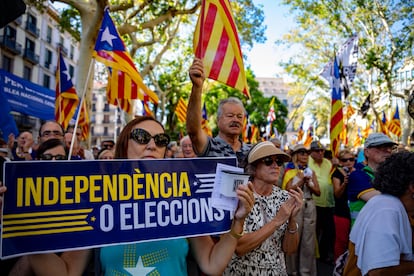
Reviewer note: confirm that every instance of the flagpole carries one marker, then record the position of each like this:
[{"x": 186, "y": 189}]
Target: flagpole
[
  {"x": 60, "y": 89},
  {"x": 80, "y": 107}
]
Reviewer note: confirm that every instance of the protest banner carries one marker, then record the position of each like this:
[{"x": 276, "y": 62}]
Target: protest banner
[
  {"x": 26, "y": 97},
  {"x": 53, "y": 206}
]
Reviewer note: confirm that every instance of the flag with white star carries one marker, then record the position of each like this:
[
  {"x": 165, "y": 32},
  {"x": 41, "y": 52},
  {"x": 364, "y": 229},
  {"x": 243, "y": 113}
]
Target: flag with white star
[
  {"x": 336, "y": 110},
  {"x": 111, "y": 51},
  {"x": 66, "y": 98}
]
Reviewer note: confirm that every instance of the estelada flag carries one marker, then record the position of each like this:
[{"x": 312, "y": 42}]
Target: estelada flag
[
  {"x": 110, "y": 50},
  {"x": 66, "y": 98}
]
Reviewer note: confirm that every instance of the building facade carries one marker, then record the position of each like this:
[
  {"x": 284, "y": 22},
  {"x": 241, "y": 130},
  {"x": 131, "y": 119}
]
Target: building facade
[{"x": 29, "y": 49}]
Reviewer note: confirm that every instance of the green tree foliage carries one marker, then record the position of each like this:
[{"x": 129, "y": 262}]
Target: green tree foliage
[
  {"x": 385, "y": 30},
  {"x": 159, "y": 37},
  {"x": 257, "y": 107}
]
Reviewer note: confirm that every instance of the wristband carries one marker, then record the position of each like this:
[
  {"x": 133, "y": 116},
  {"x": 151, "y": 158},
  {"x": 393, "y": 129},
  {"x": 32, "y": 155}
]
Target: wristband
[
  {"x": 236, "y": 235},
  {"x": 294, "y": 231}
]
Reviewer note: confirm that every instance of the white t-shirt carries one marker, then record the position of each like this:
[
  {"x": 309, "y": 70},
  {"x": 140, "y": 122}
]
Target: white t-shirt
[{"x": 381, "y": 234}]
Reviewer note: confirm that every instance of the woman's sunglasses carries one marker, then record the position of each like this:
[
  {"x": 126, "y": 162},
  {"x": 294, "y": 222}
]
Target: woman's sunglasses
[
  {"x": 352, "y": 159},
  {"x": 268, "y": 161},
  {"x": 142, "y": 137},
  {"x": 48, "y": 156}
]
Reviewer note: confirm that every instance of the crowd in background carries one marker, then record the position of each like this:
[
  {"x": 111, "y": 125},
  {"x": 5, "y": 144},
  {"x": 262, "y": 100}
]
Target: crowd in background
[{"x": 303, "y": 206}]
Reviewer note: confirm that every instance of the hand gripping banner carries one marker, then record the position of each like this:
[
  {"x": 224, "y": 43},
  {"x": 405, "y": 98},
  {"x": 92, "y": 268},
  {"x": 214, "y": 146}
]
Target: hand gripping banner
[{"x": 53, "y": 206}]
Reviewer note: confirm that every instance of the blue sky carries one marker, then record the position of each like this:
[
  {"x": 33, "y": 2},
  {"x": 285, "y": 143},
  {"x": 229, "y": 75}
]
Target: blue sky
[{"x": 264, "y": 58}]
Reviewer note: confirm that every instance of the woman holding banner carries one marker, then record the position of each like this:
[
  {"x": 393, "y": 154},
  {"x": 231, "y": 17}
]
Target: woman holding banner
[
  {"x": 145, "y": 138},
  {"x": 270, "y": 228}
]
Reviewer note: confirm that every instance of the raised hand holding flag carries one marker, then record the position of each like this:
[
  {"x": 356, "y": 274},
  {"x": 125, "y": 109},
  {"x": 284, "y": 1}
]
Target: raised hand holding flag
[{"x": 216, "y": 42}]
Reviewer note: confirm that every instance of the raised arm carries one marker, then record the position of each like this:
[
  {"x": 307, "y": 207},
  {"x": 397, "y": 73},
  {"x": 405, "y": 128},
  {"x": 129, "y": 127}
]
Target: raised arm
[{"x": 198, "y": 137}]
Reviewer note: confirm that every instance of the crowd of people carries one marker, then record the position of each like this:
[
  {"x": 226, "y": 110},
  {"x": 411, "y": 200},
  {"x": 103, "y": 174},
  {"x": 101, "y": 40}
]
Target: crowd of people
[{"x": 301, "y": 207}]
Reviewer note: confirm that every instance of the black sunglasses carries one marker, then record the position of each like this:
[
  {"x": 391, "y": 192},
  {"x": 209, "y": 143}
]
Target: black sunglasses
[
  {"x": 303, "y": 152},
  {"x": 48, "y": 133},
  {"x": 142, "y": 137},
  {"x": 352, "y": 159},
  {"x": 48, "y": 156},
  {"x": 268, "y": 161}
]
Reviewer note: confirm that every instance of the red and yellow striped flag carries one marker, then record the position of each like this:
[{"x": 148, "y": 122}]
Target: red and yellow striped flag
[
  {"x": 181, "y": 110},
  {"x": 216, "y": 42},
  {"x": 84, "y": 121},
  {"x": 337, "y": 123},
  {"x": 66, "y": 100},
  {"x": 110, "y": 50},
  {"x": 394, "y": 125},
  {"x": 112, "y": 89},
  {"x": 309, "y": 137},
  {"x": 384, "y": 124}
]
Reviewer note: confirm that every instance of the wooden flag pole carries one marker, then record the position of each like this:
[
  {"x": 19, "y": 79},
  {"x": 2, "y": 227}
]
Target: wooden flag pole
[{"x": 80, "y": 107}]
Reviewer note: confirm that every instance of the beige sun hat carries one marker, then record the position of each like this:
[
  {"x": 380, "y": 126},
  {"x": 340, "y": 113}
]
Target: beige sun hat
[
  {"x": 299, "y": 147},
  {"x": 265, "y": 149}
]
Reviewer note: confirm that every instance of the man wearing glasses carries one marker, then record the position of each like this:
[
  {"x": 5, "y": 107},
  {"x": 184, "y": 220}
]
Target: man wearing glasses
[
  {"x": 377, "y": 148},
  {"x": 50, "y": 130}
]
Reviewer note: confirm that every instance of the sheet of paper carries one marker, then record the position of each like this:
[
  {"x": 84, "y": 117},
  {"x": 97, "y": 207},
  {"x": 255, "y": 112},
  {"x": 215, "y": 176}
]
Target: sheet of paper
[{"x": 218, "y": 200}]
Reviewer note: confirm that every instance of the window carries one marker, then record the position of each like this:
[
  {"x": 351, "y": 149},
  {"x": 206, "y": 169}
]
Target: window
[
  {"x": 30, "y": 45},
  {"x": 285, "y": 102},
  {"x": 106, "y": 119},
  {"x": 10, "y": 33},
  {"x": 31, "y": 19},
  {"x": 71, "y": 71},
  {"x": 72, "y": 51},
  {"x": 27, "y": 73},
  {"x": 7, "y": 64},
  {"x": 31, "y": 24},
  {"x": 49, "y": 34},
  {"x": 48, "y": 58},
  {"x": 46, "y": 81}
]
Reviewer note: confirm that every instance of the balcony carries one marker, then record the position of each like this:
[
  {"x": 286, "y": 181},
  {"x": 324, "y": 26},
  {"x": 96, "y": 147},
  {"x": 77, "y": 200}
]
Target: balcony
[
  {"x": 31, "y": 56},
  {"x": 11, "y": 45},
  {"x": 31, "y": 28},
  {"x": 18, "y": 20},
  {"x": 63, "y": 49}
]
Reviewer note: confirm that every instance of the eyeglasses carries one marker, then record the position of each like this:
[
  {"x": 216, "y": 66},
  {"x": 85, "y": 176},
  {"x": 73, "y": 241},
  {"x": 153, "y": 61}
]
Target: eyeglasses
[
  {"x": 108, "y": 146},
  {"x": 318, "y": 150},
  {"x": 48, "y": 156},
  {"x": 142, "y": 137},
  {"x": 303, "y": 152},
  {"x": 48, "y": 133},
  {"x": 268, "y": 161},
  {"x": 385, "y": 148},
  {"x": 352, "y": 159}
]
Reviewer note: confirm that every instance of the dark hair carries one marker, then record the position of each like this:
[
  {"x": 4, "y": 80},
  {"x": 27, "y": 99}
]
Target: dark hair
[
  {"x": 395, "y": 174},
  {"x": 50, "y": 144},
  {"x": 50, "y": 121},
  {"x": 121, "y": 145}
]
